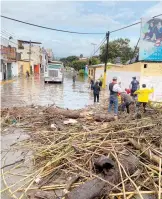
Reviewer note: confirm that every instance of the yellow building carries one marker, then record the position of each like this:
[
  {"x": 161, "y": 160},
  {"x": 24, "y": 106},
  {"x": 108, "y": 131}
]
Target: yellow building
[
  {"x": 146, "y": 72},
  {"x": 23, "y": 67}
]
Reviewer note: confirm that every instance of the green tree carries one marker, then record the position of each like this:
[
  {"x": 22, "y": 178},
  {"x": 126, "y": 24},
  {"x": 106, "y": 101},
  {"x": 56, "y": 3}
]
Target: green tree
[
  {"x": 72, "y": 58},
  {"x": 78, "y": 64},
  {"x": 94, "y": 61},
  {"x": 117, "y": 48},
  {"x": 68, "y": 60}
]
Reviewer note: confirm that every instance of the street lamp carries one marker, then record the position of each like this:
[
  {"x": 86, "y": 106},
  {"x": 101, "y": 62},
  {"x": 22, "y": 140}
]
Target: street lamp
[{"x": 9, "y": 39}]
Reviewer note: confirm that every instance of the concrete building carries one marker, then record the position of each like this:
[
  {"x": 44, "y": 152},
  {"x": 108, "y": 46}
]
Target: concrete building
[
  {"x": 9, "y": 67},
  {"x": 23, "y": 66},
  {"x": 32, "y": 54},
  {"x": 83, "y": 58},
  {"x": 146, "y": 72}
]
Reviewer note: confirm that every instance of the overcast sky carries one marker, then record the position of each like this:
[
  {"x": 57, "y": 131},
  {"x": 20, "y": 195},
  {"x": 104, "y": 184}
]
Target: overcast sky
[{"x": 75, "y": 16}]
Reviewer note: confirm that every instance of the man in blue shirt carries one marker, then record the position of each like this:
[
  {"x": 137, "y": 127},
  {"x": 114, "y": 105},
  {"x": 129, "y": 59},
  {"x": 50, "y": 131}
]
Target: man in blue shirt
[{"x": 134, "y": 85}]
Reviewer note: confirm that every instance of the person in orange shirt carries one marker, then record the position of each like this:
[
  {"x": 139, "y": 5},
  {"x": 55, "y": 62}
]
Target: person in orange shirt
[{"x": 143, "y": 96}]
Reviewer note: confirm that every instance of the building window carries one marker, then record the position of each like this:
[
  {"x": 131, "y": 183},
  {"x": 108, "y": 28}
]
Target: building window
[
  {"x": 92, "y": 72},
  {"x": 89, "y": 71},
  {"x": 145, "y": 65}
]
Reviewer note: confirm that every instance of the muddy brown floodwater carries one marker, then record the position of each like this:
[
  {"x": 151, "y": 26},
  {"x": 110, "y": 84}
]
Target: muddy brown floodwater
[{"x": 25, "y": 91}]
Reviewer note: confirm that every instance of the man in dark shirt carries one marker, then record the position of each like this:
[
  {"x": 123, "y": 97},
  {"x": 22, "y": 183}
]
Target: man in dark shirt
[
  {"x": 96, "y": 91},
  {"x": 134, "y": 86}
]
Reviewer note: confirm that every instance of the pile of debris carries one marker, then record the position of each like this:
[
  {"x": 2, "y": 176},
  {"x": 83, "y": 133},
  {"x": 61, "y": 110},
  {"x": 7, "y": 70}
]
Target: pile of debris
[{"x": 88, "y": 155}]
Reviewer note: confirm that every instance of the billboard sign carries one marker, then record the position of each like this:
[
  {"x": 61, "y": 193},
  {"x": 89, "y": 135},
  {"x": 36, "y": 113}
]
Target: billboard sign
[{"x": 150, "y": 48}]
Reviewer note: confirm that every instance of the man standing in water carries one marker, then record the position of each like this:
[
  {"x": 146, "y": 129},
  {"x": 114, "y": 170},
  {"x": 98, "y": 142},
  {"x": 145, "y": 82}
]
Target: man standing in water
[
  {"x": 74, "y": 77},
  {"x": 96, "y": 92},
  {"x": 114, "y": 89}
]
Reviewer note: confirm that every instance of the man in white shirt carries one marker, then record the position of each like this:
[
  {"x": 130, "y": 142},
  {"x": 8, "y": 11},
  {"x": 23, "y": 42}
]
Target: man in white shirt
[{"x": 114, "y": 89}]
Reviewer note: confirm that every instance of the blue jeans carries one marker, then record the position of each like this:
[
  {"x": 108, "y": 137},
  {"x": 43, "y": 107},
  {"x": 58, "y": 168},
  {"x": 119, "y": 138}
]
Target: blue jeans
[{"x": 113, "y": 101}]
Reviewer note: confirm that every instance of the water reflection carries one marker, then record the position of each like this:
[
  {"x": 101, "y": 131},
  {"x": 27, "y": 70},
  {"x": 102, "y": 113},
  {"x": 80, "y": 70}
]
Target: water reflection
[{"x": 25, "y": 91}]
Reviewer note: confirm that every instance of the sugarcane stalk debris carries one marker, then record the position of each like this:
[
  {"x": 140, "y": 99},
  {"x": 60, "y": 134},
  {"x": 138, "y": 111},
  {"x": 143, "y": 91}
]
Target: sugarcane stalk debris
[{"x": 91, "y": 156}]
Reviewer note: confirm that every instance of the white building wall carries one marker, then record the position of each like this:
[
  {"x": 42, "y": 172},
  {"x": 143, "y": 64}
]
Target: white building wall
[
  {"x": 35, "y": 54},
  {"x": 14, "y": 66},
  {"x": 156, "y": 83},
  {"x": 124, "y": 77},
  {"x": 0, "y": 76}
]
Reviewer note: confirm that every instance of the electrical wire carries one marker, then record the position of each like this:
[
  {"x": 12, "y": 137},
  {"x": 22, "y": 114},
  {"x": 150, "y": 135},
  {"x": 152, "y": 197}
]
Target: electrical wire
[
  {"x": 5, "y": 33},
  {"x": 71, "y": 31},
  {"x": 157, "y": 16},
  {"x": 125, "y": 27},
  {"x": 99, "y": 46},
  {"x": 134, "y": 51},
  {"x": 9, "y": 40},
  {"x": 132, "y": 24},
  {"x": 8, "y": 33},
  {"x": 27, "y": 48},
  {"x": 48, "y": 28},
  {"x": 121, "y": 29}
]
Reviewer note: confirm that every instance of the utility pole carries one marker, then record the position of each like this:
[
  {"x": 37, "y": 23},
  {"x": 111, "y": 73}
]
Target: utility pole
[
  {"x": 30, "y": 57},
  {"x": 106, "y": 58}
]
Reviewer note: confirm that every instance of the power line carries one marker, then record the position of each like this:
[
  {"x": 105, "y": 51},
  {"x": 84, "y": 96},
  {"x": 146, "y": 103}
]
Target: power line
[
  {"x": 102, "y": 42},
  {"x": 122, "y": 29},
  {"x": 9, "y": 40},
  {"x": 132, "y": 24},
  {"x": 31, "y": 24},
  {"x": 125, "y": 27},
  {"x": 8, "y": 33},
  {"x": 134, "y": 51},
  {"x": 59, "y": 30},
  {"x": 25, "y": 47},
  {"x": 99, "y": 46},
  {"x": 157, "y": 16},
  {"x": 5, "y": 33}
]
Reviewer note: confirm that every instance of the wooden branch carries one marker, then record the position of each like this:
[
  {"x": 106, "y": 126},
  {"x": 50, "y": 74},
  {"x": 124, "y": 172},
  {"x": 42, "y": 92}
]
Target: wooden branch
[
  {"x": 100, "y": 185},
  {"x": 145, "y": 151}
]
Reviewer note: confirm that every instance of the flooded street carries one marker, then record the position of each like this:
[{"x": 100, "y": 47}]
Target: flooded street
[
  {"x": 25, "y": 91},
  {"x": 22, "y": 92}
]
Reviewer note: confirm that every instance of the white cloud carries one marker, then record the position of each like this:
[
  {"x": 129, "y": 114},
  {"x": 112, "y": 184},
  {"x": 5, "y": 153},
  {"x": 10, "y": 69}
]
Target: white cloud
[
  {"x": 71, "y": 16},
  {"x": 108, "y": 3},
  {"x": 124, "y": 15},
  {"x": 153, "y": 11},
  {"x": 61, "y": 15}
]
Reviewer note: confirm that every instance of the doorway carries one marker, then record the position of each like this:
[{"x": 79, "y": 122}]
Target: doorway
[
  {"x": 36, "y": 69},
  {"x": 9, "y": 71}
]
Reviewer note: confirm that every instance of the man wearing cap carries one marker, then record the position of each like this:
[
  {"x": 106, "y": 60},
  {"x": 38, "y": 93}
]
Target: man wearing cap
[
  {"x": 134, "y": 85},
  {"x": 114, "y": 89}
]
